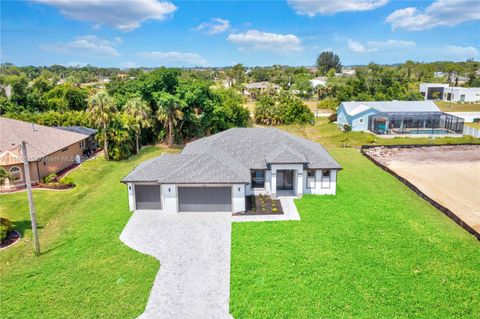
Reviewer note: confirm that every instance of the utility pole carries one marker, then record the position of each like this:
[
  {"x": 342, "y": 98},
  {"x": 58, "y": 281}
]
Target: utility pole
[{"x": 28, "y": 183}]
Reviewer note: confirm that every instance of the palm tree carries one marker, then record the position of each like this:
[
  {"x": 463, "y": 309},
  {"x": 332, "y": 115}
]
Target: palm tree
[
  {"x": 169, "y": 112},
  {"x": 4, "y": 176},
  {"x": 139, "y": 110},
  {"x": 101, "y": 108}
]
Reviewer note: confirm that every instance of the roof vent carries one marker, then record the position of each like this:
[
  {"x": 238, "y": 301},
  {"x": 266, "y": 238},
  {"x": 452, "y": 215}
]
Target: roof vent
[{"x": 33, "y": 127}]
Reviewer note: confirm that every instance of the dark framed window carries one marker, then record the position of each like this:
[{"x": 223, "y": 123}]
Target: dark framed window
[
  {"x": 258, "y": 178},
  {"x": 310, "y": 179},
  {"x": 326, "y": 173}
]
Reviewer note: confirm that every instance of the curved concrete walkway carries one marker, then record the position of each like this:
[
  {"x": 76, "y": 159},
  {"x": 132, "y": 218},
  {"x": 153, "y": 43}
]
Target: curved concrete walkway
[{"x": 194, "y": 254}]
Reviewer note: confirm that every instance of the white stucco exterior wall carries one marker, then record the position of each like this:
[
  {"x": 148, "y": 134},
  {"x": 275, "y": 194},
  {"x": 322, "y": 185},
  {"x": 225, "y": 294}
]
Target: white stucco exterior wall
[
  {"x": 238, "y": 198},
  {"x": 322, "y": 187},
  {"x": 131, "y": 197},
  {"x": 169, "y": 198}
]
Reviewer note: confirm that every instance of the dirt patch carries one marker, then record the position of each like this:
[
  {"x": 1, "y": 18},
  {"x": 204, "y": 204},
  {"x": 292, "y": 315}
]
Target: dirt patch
[
  {"x": 426, "y": 154},
  {"x": 450, "y": 175}
]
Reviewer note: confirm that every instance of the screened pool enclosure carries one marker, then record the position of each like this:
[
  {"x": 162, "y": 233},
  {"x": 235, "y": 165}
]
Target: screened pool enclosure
[{"x": 415, "y": 123}]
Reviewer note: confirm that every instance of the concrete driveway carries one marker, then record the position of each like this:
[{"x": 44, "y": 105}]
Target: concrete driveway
[{"x": 194, "y": 254}]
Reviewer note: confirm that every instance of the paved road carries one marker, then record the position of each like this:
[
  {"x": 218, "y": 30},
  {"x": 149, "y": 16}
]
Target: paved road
[{"x": 194, "y": 253}]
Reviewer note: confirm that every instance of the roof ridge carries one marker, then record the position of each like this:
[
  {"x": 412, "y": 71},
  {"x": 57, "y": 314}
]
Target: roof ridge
[
  {"x": 185, "y": 164},
  {"x": 219, "y": 159}
]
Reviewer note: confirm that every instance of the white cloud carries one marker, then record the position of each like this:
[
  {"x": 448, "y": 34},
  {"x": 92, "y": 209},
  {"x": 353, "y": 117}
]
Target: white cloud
[
  {"x": 174, "y": 58},
  {"x": 264, "y": 41},
  {"x": 439, "y": 13},
  {"x": 128, "y": 64},
  {"x": 357, "y": 47},
  {"x": 125, "y": 15},
  {"x": 87, "y": 45},
  {"x": 217, "y": 25},
  {"x": 458, "y": 52},
  {"x": 312, "y": 7},
  {"x": 376, "y": 46}
]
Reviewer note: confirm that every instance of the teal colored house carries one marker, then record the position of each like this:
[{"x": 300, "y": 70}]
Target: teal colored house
[{"x": 397, "y": 117}]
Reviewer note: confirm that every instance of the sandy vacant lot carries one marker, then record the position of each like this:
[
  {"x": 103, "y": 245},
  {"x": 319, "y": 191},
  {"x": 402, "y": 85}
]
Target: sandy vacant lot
[{"x": 448, "y": 174}]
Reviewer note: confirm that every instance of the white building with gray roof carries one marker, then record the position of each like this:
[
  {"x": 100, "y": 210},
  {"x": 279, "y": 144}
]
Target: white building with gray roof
[{"x": 216, "y": 173}]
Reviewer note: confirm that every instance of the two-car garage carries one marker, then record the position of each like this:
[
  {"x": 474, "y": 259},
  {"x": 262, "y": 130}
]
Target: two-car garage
[
  {"x": 190, "y": 198},
  {"x": 205, "y": 199}
]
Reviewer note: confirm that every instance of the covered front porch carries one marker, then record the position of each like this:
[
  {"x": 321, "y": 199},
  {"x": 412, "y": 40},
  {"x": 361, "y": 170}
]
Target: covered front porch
[{"x": 287, "y": 180}]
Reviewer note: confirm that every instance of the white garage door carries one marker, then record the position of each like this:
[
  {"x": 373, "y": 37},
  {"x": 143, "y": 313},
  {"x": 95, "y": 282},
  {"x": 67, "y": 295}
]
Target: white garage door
[{"x": 205, "y": 199}]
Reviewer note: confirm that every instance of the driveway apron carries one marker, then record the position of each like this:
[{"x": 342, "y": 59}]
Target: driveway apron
[{"x": 194, "y": 254}]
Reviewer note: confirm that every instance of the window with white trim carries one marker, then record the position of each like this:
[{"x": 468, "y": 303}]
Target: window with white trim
[
  {"x": 258, "y": 178},
  {"x": 310, "y": 178},
  {"x": 82, "y": 144},
  {"x": 16, "y": 173}
]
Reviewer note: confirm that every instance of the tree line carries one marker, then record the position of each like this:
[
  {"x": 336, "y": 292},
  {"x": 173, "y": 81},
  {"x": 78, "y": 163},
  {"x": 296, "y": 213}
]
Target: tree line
[{"x": 160, "y": 105}]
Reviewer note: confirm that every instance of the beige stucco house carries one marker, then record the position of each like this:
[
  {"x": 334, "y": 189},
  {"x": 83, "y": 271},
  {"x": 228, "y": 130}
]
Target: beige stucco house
[{"x": 50, "y": 150}]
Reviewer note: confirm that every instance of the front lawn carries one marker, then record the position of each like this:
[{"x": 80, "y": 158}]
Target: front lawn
[
  {"x": 84, "y": 271},
  {"x": 375, "y": 250},
  {"x": 458, "y": 107},
  {"x": 331, "y": 136}
]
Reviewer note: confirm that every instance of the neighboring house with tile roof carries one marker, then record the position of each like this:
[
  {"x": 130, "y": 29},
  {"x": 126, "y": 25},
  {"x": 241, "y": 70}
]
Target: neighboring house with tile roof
[
  {"x": 216, "y": 173},
  {"x": 416, "y": 118},
  {"x": 50, "y": 150}
]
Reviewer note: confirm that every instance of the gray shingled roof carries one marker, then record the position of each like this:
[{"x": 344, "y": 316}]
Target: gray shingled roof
[
  {"x": 228, "y": 157},
  {"x": 78, "y": 129}
]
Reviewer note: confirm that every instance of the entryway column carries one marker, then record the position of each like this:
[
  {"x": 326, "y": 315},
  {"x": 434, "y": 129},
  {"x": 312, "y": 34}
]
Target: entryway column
[
  {"x": 274, "y": 184},
  {"x": 299, "y": 185}
]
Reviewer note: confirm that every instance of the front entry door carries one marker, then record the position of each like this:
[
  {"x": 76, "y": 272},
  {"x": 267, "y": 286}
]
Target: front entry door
[{"x": 284, "y": 179}]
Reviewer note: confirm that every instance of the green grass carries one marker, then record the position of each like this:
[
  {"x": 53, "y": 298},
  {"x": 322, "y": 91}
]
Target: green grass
[
  {"x": 458, "y": 107},
  {"x": 331, "y": 136},
  {"x": 84, "y": 270},
  {"x": 375, "y": 250},
  {"x": 474, "y": 125}
]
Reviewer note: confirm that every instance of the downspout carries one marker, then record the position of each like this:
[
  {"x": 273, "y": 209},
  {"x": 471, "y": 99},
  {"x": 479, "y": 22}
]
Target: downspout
[{"x": 38, "y": 172}]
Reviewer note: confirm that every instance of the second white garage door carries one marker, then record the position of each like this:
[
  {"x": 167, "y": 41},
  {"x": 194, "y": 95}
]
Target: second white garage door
[{"x": 205, "y": 199}]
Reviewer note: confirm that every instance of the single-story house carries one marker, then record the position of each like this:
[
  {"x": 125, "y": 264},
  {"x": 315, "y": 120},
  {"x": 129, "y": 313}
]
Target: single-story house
[
  {"x": 318, "y": 81},
  {"x": 252, "y": 89},
  {"x": 91, "y": 142},
  {"x": 216, "y": 173},
  {"x": 49, "y": 150},
  {"x": 397, "y": 117},
  {"x": 441, "y": 91}
]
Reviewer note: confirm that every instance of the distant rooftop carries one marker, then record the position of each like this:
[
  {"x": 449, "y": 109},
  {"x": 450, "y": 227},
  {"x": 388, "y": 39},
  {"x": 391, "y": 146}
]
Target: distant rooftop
[{"x": 353, "y": 108}]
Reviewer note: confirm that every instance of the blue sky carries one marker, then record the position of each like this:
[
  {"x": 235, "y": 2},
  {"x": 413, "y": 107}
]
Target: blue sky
[{"x": 128, "y": 33}]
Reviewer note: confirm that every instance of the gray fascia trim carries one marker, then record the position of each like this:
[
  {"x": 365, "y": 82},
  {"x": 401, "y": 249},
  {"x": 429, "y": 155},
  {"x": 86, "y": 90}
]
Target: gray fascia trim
[{"x": 202, "y": 183}]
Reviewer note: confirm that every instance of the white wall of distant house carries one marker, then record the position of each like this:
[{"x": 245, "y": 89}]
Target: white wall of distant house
[{"x": 466, "y": 116}]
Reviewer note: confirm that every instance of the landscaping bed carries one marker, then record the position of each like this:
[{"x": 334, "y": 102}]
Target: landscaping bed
[
  {"x": 12, "y": 237},
  {"x": 262, "y": 205}
]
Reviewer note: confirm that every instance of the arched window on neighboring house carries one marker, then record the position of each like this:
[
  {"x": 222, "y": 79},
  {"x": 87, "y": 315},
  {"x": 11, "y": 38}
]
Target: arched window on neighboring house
[{"x": 16, "y": 173}]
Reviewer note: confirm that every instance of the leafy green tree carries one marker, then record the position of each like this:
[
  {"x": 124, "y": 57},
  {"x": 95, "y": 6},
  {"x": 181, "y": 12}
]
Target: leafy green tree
[
  {"x": 101, "y": 108},
  {"x": 328, "y": 60},
  {"x": 169, "y": 112},
  {"x": 139, "y": 110},
  {"x": 281, "y": 108}
]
